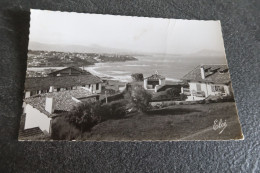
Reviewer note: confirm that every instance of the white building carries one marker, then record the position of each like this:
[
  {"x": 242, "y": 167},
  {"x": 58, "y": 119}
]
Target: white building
[
  {"x": 208, "y": 80},
  {"x": 40, "y": 109},
  {"x": 154, "y": 82},
  {"x": 39, "y": 85}
]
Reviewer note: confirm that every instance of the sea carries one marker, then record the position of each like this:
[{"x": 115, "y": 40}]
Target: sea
[{"x": 173, "y": 68}]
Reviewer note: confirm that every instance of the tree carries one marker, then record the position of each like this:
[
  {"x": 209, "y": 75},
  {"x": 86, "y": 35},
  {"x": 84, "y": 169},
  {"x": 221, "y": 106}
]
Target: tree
[
  {"x": 85, "y": 115},
  {"x": 140, "y": 98},
  {"x": 172, "y": 93},
  {"x": 137, "y": 77},
  {"x": 63, "y": 130}
]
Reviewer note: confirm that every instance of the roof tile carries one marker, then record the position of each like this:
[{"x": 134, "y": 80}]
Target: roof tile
[
  {"x": 63, "y": 100},
  {"x": 213, "y": 74},
  {"x": 44, "y": 83}
]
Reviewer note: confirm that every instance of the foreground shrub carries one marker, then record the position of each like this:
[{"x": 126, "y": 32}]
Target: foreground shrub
[
  {"x": 217, "y": 99},
  {"x": 183, "y": 97},
  {"x": 63, "y": 130},
  {"x": 137, "y": 77},
  {"x": 114, "y": 110},
  {"x": 85, "y": 115},
  {"x": 172, "y": 93},
  {"x": 139, "y": 98}
]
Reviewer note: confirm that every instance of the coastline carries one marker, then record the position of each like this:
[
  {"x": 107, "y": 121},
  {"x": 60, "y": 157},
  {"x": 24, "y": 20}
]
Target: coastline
[
  {"x": 124, "y": 78},
  {"x": 119, "y": 75},
  {"x": 121, "y": 71}
]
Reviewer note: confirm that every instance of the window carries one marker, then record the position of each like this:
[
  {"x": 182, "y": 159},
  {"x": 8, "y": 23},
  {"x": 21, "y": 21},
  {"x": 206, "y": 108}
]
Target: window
[
  {"x": 97, "y": 86},
  {"x": 217, "y": 88},
  {"x": 33, "y": 93},
  {"x": 198, "y": 86}
]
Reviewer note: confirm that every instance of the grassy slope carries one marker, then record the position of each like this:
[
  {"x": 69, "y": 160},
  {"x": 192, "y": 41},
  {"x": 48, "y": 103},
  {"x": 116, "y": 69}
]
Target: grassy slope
[{"x": 178, "y": 122}]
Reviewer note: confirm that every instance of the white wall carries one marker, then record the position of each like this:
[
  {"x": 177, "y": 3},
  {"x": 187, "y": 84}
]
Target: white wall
[
  {"x": 192, "y": 86},
  {"x": 27, "y": 94},
  {"x": 95, "y": 89},
  {"x": 162, "y": 82},
  {"x": 145, "y": 83},
  {"x": 208, "y": 89},
  {"x": 121, "y": 88},
  {"x": 34, "y": 118}
]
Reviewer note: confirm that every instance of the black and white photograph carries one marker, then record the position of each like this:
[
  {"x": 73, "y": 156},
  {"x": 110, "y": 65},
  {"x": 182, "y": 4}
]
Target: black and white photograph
[{"x": 96, "y": 77}]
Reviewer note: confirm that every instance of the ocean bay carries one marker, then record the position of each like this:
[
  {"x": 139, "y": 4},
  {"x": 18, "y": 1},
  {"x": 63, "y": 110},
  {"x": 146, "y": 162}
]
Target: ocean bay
[{"x": 173, "y": 68}]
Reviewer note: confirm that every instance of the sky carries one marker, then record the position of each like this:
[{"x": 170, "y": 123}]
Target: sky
[{"x": 126, "y": 33}]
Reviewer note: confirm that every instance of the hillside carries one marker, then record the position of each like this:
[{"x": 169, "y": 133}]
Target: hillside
[{"x": 63, "y": 59}]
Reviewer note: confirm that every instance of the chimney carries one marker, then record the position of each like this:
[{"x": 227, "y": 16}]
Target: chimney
[
  {"x": 202, "y": 72},
  {"x": 51, "y": 89},
  {"x": 49, "y": 105}
]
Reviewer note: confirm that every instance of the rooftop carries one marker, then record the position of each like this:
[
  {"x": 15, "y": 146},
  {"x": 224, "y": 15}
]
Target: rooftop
[
  {"x": 63, "y": 100},
  {"x": 71, "y": 67},
  {"x": 213, "y": 74},
  {"x": 36, "y": 131},
  {"x": 44, "y": 83}
]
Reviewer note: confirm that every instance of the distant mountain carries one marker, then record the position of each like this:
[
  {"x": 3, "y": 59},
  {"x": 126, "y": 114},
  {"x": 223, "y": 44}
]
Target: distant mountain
[
  {"x": 76, "y": 48},
  {"x": 99, "y": 49}
]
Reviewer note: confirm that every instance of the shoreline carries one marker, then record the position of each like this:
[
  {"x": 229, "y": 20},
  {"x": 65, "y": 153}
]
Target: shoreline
[
  {"x": 111, "y": 74},
  {"x": 126, "y": 78}
]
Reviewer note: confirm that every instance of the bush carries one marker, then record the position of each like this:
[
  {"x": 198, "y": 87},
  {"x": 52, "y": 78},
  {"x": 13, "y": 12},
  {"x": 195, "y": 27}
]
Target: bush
[
  {"x": 137, "y": 77},
  {"x": 202, "y": 102},
  {"x": 85, "y": 115},
  {"x": 63, "y": 130},
  {"x": 173, "y": 92},
  {"x": 114, "y": 110},
  {"x": 139, "y": 98},
  {"x": 217, "y": 99},
  {"x": 229, "y": 99},
  {"x": 183, "y": 97}
]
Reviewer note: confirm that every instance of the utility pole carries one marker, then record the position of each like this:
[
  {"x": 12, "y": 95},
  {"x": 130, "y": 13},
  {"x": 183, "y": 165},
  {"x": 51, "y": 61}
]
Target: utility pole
[{"x": 106, "y": 95}]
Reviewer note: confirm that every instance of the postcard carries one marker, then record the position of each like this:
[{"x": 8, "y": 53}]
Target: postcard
[{"x": 94, "y": 77}]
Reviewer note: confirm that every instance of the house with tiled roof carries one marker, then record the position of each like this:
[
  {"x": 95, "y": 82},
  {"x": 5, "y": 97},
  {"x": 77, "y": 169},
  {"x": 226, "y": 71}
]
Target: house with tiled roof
[
  {"x": 68, "y": 71},
  {"x": 208, "y": 80},
  {"x": 40, "y": 109},
  {"x": 154, "y": 82},
  {"x": 38, "y": 85}
]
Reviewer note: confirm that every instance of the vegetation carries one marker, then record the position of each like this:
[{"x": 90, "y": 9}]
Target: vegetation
[
  {"x": 171, "y": 123},
  {"x": 217, "y": 99},
  {"x": 183, "y": 97},
  {"x": 172, "y": 93},
  {"x": 85, "y": 115},
  {"x": 114, "y": 109},
  {"x": 117, "y": 58},
  {"x": 139, "y": 98},
  {"x": 99, "y": 118},
  {"x": 63, "y": 130},
  {"x": 137, "y": 77}
]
